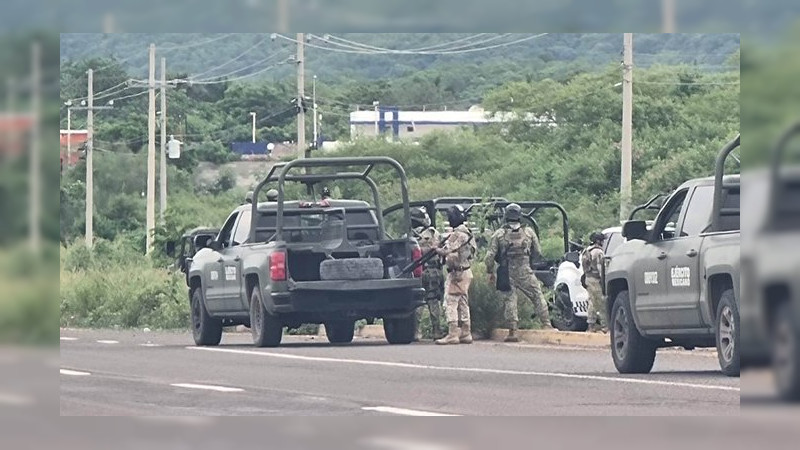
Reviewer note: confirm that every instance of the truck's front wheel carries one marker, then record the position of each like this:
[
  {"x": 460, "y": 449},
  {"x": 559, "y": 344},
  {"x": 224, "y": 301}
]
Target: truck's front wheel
[
  {"x": 400, "y": 331},
  {"x": 728, "y": 334},
  {"x": 266, "y": 328},
  {"x": 632, "y": 352},
  {"x": 786, "y": 352},
  {"x": 206, "y": 330}
]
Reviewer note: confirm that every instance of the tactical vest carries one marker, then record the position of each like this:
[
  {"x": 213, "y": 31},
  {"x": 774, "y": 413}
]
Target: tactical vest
[
  {"x": 589, "y": 269},
  {"x": 517, "y": 242}
]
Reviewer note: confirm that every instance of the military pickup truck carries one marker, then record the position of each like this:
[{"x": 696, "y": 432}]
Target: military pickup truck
[
  {"x": 285, "y": 263},
  {"x": 770, "y": 332},
  {"x": 679, "y": 287}
]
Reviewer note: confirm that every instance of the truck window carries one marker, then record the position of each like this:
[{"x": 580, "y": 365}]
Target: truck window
[
  {"x": 664, "y": 227},
  {"x": 698, "y": 214},
  {"x": 310, "y": 227},
  {"x": 225, "y": 233},
  {"x": 242, "y": 228},
  {"x": 612, "y": 242}
]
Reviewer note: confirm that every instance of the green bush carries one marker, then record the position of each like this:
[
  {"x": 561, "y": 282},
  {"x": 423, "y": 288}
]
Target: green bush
[{"x": 112, "y": 285}]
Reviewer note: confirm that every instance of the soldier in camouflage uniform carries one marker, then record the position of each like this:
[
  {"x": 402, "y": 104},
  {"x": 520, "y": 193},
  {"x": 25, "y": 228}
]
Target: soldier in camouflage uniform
[
  {"x": 517, "y": 243},
  {"x": 432, "y": 276},
  {"x": 592, "y": 260},
  {"x": 458, "y": 252}
]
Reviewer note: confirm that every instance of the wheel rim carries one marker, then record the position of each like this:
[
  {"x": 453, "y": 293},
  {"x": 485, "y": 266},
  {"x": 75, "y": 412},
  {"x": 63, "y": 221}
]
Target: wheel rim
[
  {"x": 783, "y": 353},
  {"x": 727, "y": 331},
  {"x": 196, "y": 314},
  {"x": 621, "y": 333},
  {"x": 257, "y": 318}
]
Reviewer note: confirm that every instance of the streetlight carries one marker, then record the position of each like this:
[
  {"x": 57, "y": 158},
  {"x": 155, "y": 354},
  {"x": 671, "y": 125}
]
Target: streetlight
[
  {"x": 253, "y": 115},
  {"x": 377, "y": 129}
]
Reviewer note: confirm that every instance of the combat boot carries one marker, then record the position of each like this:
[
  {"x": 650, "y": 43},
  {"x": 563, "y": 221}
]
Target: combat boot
[
  {"x": 436, "y": 330},
  {"x": 466, "y": 333},
  {"x": 512, "y": 333},
  {"x": 452, "y": 335}
]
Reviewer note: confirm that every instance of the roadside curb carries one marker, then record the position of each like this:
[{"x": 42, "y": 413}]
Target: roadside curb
[
  {"x": 371, "y": 331},
  {"x": 547, "y": 337}
]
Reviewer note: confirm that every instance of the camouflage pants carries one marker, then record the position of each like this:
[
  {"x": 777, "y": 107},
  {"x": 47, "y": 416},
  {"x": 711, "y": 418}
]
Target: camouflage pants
[
  {"x": 525, "y": 282},
  {"x": 456, "y": 298},
  {"x": 433, "y": 282},
  {"x": 597, "y": 302}
]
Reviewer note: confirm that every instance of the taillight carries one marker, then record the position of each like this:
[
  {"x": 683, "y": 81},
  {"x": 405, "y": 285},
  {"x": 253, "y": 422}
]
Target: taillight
[
  {"x": 416, "y": 253},
  {"x": 277, "y": 266}
]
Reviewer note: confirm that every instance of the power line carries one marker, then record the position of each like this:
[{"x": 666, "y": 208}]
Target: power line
[
  {"x": 213, "y": 69},
  {"x": 219, "y": 78},
  {"x": 190, "y": 44},
  {"x": 439, "y": 47}
]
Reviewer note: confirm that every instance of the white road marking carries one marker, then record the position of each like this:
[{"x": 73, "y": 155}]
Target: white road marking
[
  {"x": 150, "y": 344},
  {"x": 65, "y": 338},
  {"x": 74, "y": 373},
  {"x": 14, "y": 400},
  {"x": 207, "y": 387},
  {"x": 107, "y": 341},
  {"x": 406, "y": 412},
  {"x": 472, "y": 369},
  {"x": 393, "y": 443}
]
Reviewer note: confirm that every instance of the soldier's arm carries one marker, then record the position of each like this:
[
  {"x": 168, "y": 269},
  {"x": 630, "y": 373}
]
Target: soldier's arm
[
  {"x": 536, "y": 247},
  {"x": 491, "y": 254}
]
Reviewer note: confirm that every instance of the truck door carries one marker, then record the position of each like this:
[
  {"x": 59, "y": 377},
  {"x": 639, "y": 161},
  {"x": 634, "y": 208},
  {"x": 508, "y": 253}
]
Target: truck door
[
  {"x": 213, "y": 272},
  {"x": 232, "y": 254},
  {"x": 651, "y": 274},
  {"x": 683, "y": 260}
]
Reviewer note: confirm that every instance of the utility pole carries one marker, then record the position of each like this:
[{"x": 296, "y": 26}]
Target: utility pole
[
  {"x": 163, "y": 176},
  {"x": 314, "y": 109},
  {"x": 301, "y": 81},
  {"x": 283, "y": 16},
  {"x": 89, "y": 166},
  {"x": 11, "y": 94},
  {"x": 35, "y": 169},
  {"x": 667, "y": 16},
  {"x": 627, "y": 125},
  {"x": 151, "y": 151},
  {"x": 69, "y": 131}
]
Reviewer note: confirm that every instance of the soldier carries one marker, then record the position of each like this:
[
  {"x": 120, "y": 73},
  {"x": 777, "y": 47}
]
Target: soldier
[
  {"x": 325, "y": 197},
  {"x": 516, "y": 244},
  {"x": 458, "y": 251},
  {"x": 432, "y": 276},
  {"x": 592, "y": 260},
  {"x": 272, "y": 195}
]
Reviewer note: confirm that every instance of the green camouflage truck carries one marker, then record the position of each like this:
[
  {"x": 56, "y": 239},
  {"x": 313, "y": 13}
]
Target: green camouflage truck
[
  {"x": 677, "y": 282},
  {"x": 286, "y": 263}
]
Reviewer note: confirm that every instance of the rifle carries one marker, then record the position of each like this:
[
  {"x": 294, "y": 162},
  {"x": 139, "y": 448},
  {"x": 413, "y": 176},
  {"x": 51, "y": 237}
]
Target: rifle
[
  {"x": 503, "y": 281},
  {"x": 427, "y": 256}
]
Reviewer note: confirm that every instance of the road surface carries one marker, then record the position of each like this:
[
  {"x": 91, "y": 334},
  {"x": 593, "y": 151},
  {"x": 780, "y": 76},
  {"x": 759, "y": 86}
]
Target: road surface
[{"x": 106, "y": 372}]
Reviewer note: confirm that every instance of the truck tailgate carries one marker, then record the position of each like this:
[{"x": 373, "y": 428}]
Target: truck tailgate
[{"x": 358, "y": 285}]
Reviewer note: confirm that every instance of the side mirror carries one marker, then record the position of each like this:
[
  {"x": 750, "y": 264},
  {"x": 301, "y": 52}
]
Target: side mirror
[
  {"x": 215, "y": 245},
  {"x": 573, "y": 257},
  {"x": 169, "y": 249},
  {"x": 635, "y": 230}
]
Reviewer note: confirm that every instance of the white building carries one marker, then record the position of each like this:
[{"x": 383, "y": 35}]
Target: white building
[{"x": 414, "y": 124}]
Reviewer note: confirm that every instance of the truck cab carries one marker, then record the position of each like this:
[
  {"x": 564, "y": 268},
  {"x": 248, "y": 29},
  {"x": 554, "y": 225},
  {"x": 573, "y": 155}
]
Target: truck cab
[{"x": 679, "y": 286}]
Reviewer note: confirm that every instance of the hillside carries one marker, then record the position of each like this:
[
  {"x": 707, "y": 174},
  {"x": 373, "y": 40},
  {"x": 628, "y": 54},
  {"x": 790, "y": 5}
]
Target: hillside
[{"x": 337, "y": 58}]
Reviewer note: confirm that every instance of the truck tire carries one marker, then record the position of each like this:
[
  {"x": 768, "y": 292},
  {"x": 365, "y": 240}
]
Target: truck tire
[
  {"x": 267, "y": 329},
  {"x": 632, "y": 352},
  {"x": 340, "y": 331},
  {"x": 400, "y": 331},
  {"x": 206, "y": 330},
  {"x": 727, "y": 334},
  {"x": 351, "y": 269},
  {"x": 785, "y": 345},
  {"x": 565, "y": 319}
]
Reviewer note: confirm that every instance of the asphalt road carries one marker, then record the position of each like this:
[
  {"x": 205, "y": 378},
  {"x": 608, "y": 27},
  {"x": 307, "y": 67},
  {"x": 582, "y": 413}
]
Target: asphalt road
[{"x": 106, "y": 372}]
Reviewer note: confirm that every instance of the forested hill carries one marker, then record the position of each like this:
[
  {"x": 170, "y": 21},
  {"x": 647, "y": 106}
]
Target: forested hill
[{"x": 347, "y": 56}]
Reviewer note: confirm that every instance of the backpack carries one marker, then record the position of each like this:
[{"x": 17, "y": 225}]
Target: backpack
[{"x": 517, "y": 243}]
